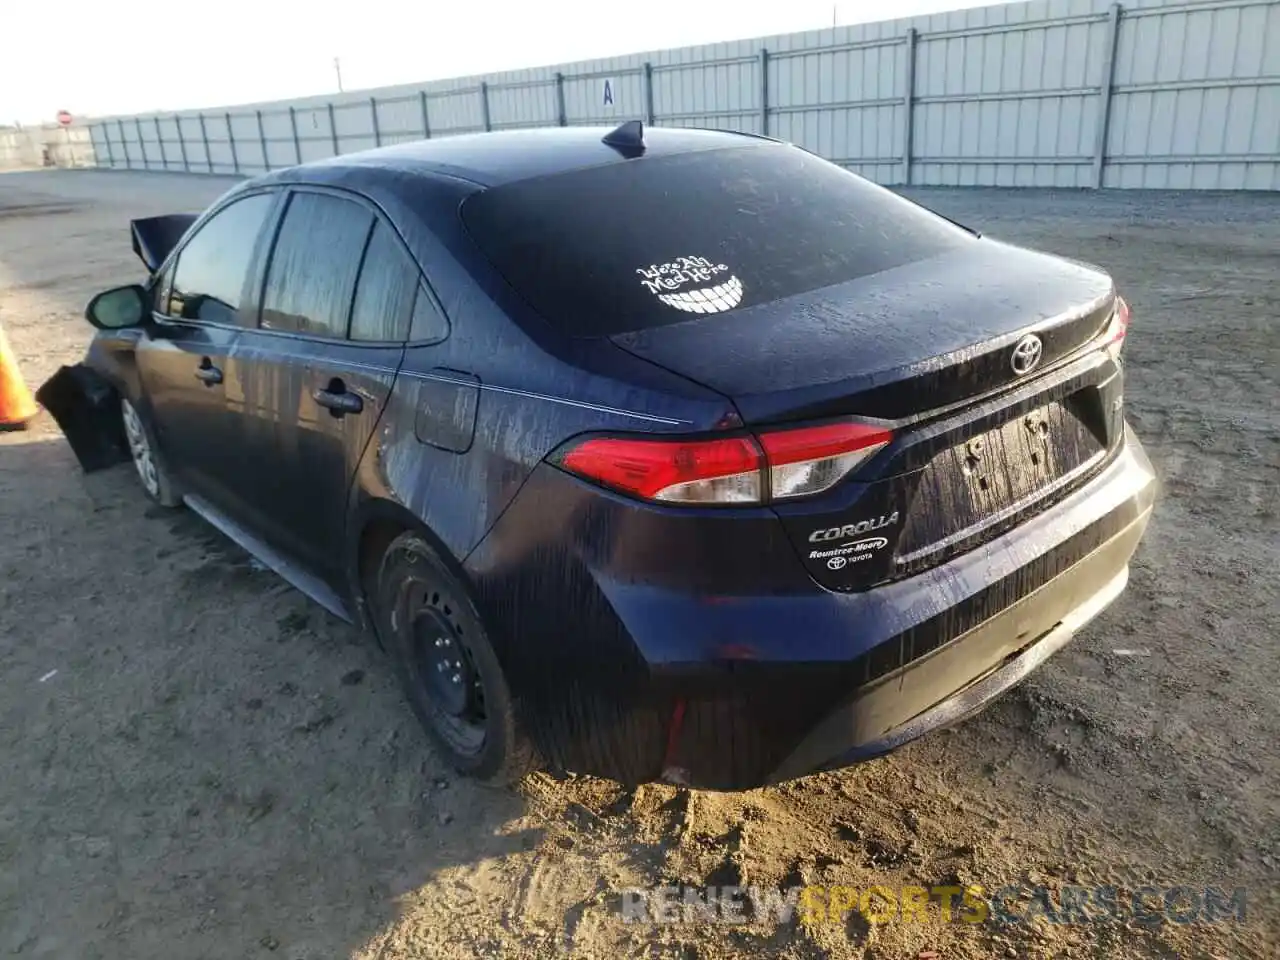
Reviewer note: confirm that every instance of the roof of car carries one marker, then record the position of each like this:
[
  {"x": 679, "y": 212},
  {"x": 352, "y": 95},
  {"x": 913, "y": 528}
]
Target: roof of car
[{"x": 491, "y": 159}]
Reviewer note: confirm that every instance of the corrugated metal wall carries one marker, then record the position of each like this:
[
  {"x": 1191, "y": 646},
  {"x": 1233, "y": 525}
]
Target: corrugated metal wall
[{"x": 1074, "y": 93}]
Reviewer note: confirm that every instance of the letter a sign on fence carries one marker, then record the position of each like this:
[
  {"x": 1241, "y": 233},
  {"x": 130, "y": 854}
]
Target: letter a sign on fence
[{"x": 608, "y": 93}]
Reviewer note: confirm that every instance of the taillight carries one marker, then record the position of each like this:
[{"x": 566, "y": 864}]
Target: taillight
[
  {"x": 1113, "y": 336},
  {"x": 812, "y": 459},
  {"x": 778, "y": 464},
  {"x": 679, "y": 471}
]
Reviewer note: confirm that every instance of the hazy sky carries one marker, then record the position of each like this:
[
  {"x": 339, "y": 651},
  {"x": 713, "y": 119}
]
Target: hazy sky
[{"x": 140, "y": 55}]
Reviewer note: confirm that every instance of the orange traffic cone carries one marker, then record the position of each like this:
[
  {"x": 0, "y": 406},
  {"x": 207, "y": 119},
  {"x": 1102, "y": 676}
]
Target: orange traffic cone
[{"x": 17, "y": 406}]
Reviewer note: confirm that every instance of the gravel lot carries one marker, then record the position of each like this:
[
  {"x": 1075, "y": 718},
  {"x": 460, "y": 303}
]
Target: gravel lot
[{"x": 220, "y": 769}]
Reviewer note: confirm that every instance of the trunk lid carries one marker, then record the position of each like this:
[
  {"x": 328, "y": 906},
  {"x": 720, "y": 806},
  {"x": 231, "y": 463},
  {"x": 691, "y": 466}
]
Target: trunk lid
[
  {"x": 918, "y": 337},
  {"x": 978, "y": 447},
  {"x": 948, "y": 485}
]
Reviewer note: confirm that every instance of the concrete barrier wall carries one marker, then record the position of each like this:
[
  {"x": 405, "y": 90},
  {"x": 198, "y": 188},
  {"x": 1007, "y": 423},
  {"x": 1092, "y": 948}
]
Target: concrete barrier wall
[
  {"x": 1067, "y": 93},
  {"x": 49, "y": 145}
]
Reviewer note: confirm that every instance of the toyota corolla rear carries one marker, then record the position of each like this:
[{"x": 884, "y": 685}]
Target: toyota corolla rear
[{"x": 924, "y": 484}]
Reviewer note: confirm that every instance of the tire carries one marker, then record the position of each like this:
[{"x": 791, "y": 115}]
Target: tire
[
  {"x": 446, "y": 665},
  {"x": 145, "y": 453}
]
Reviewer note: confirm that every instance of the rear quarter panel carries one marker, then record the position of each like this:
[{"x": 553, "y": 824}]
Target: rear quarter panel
[
  {"x": 470, "y": 418},
  {"x": 526, "y": 387}
]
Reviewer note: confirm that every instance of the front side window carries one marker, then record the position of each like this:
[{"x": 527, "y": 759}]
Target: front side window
[
  {"x": 312, "y": 274},
  {"x": 209, "y": 279}
]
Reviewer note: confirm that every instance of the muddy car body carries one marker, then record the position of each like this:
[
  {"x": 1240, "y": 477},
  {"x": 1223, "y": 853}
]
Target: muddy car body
[{"x": 670, "y": 454}]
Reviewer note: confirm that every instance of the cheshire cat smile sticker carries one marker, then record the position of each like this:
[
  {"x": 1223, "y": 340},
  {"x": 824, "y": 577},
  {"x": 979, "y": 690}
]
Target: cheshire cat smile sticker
[{"x": 693, "y": 284}]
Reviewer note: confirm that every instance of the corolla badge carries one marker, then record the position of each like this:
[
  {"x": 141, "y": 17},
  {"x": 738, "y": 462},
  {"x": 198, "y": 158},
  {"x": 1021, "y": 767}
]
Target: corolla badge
[
  {"x": 854, "y": 529},
  {"x": 687, "y": 283},
  {"x": 1026, "y": 354}
]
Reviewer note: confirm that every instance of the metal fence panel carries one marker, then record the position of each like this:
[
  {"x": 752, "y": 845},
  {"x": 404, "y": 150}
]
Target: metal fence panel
[
  {"x": 455, "y": 110},
  {"x": 523, "y": 103},
  {"x": 1066, "y": 93},
  {"x": 217, "y": 130},
  {"x": 605, "y": 96},
  {"x": 1206, "y": 118}
]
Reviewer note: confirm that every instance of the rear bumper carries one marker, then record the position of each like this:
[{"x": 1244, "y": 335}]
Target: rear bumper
[
  {"x": 961, "y": 677},
  {"x": 638, "y": 651}
]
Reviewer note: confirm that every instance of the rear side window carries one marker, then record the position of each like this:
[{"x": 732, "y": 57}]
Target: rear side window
[
  {"x": 428, "y": 322},
  {"x": 312, "y": 274},
  {"x": 385, "y": 291},
  {"x": 212, "y": 268},
  {"x": 644, "y": 243}
]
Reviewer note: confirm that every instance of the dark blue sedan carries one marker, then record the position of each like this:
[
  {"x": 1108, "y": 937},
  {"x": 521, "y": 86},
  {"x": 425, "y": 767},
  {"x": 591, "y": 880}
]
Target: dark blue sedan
[{"x": 653, "y": 454}]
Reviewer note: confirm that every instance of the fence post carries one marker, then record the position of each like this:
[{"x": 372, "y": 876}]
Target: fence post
[
  {"x": 124, "y": 145},
  {"x": 164, "y": 157},
  {"x": 562, "y": 117},
  {"x": 106, "y": 138},
  {"x": 484, "y": 105},
  {"x": 426, "y": 120},
  {"x": 182, "y": 144},
  {"x": 231, "y": 139},
  {"x": 764, "y": 92},
  {"x": 333, "y": 130},
  {"x": 262, "y": 140},
  {"x": 648, "y": 93},
  {"x": 908, "y": 102},
  {"x": 293, "y": 125},
  {"x": 1104, "y": 95},
  {"x": 142, "y": 144},
  {"x": 204, "y": 138},
  {"x": 373, "y": 115}
]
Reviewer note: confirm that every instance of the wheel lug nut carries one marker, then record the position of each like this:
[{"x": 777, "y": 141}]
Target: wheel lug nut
[{"x": 457, "y": 678}]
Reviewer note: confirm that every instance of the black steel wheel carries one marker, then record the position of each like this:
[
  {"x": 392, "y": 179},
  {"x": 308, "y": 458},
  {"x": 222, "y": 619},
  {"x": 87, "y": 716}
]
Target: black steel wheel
[{"x": 446, "y": 664}]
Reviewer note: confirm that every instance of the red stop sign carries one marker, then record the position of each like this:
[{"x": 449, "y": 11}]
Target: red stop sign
[{"x": 64, "y": 117}]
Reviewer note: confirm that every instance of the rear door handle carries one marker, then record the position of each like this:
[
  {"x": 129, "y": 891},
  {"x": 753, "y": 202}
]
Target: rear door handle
[
  {"x": 338, "y": 400},
  {"x": 207, "y": 373}
]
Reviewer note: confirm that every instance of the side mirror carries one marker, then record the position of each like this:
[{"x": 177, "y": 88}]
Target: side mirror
[{"x": 119, "y": 308}]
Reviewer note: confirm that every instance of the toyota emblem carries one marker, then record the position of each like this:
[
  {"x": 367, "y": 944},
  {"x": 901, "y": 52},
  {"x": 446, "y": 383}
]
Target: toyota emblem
[{"x": 1026, "y": 355}]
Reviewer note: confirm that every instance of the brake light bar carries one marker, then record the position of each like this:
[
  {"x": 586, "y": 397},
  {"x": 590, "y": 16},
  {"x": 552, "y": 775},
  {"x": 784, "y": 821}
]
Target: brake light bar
[{"x": 775, "y": 464}]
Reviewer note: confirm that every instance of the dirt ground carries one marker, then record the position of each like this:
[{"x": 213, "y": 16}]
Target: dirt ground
[{"x": 218, "y": 768}]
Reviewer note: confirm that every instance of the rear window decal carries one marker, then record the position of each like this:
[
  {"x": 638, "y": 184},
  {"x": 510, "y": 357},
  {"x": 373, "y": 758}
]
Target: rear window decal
[{"x": 680, "y": 283}]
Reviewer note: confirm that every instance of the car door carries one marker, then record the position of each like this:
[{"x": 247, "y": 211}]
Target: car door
[
  {"x": 203, "y": 297},
  {"x": 336, "y": 306}
]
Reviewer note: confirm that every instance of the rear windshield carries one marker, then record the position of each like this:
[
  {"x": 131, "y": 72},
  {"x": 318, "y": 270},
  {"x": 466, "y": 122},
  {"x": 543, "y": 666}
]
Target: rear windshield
[{"x": 641, "y": 244}]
